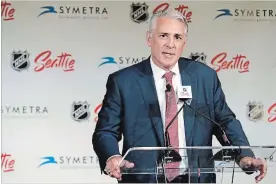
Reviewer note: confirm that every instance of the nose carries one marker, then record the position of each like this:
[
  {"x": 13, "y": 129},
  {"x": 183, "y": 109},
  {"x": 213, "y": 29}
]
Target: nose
[{"x": 170, "y": 43}]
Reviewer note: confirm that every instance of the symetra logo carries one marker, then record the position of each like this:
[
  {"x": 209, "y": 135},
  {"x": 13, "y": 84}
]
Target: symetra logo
[
  {"x": 47, "y": 9},
  {"x": 48, "y": 160},
  {"x": 257, "y": 15},
  {"x": 24, "y": 111},
  {"x": 121, "y": 62},
  {"x": 225, "y": 12},
  {"x": 107, "y": 60},
  {"x": 75, "y": 12},
  {"x": 69, "y": 162}
]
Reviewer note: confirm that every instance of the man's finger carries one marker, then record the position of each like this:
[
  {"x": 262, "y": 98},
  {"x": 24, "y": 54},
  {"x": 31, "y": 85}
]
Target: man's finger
[
  {"x": 262, "y": 169},
  {"x": 129, "y": 164},
  {"x": 110, "y": 174},
  {"x": 117, "y": 169},
  {"x": 259, "y": 177},
  {"x": 116, "y": 175},
  {"x": 126, "y": 164},
  {"x": 122, "y": 164}
]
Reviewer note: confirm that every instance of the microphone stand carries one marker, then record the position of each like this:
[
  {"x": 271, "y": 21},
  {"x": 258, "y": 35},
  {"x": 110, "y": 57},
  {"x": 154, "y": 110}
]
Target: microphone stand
[
  {"x": 198, "y": 170},
  {"x": 173, "y": 154},
  {"x": 228, "y": 153}
]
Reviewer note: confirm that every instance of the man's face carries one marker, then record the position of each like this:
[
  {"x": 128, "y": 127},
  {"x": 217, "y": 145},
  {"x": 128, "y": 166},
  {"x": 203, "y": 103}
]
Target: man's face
[{"x": 167, "y": 41}]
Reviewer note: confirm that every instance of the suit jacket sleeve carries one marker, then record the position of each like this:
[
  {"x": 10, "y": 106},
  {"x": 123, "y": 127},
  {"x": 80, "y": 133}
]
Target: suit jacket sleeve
[
  {"x": 107, "y": 133},
  {"x": 227, "y": 119}
]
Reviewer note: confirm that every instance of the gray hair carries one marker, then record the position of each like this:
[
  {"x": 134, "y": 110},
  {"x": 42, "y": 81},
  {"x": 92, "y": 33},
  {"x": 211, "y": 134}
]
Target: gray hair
[{"x": 170, "y": 13}]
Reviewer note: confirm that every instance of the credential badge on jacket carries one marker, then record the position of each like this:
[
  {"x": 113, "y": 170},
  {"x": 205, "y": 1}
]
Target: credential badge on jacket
[
  {"x": 80, "y": 111},
  {"x": 185, "y": 93}
]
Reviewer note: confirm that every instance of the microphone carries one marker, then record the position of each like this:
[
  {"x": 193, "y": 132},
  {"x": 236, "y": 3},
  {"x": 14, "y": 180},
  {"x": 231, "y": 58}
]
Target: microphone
[
  {"x": 185, "y": 95},
  {"x": 168, "y": 88}
]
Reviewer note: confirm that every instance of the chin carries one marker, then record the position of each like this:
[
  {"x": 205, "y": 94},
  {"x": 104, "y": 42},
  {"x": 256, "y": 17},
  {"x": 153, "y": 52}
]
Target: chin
[
  {"x": 170, "y": 61},
  {"x": 168, "y": 65}
]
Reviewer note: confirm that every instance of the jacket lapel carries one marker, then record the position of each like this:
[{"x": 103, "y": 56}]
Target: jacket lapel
[
  {"x": 189, "y": 114},
  {"x": 148, "y": 91}
]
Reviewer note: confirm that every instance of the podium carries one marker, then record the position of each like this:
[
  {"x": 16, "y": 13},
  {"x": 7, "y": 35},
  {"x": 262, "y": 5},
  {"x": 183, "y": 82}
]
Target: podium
[{"x": 196, "y": 162}]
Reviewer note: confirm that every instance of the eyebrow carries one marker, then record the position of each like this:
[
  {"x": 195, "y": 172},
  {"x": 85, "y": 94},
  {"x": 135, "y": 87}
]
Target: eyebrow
[{"x": 176, "y": 34}]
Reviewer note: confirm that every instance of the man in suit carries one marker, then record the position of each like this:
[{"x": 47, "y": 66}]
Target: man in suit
[{"x": 141, "y": 100}]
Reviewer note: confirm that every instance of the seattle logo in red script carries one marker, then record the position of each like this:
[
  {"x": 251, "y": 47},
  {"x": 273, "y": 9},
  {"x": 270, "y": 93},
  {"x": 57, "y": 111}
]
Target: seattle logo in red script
[
  {"x": 239, "y": 63},
  {"x": 96, "y": 111},
  {"x": 7, "y": 162},
  {"x": 181, "y": 8},
  {"x": 272, "y": 112},
  {"x": 7, "y": 12},
  {"x": 63, "y": 61}
]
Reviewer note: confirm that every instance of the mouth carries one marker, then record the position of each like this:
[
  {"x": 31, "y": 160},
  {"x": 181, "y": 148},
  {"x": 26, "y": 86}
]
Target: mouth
[{"x": 168, "y": 54}]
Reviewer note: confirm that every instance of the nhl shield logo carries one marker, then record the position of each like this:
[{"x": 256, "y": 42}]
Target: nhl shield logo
[
  {"x": 80, "y": 111},
  {"x": 139, "y": 12},
  {"x": 200, "y": 57},
  {"x": 20, "y": 60},
  {"x": 255, "y": 111}
]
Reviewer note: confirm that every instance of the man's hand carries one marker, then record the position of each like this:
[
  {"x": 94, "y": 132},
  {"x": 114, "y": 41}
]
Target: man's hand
[
  {"x": 113, "y": 168},
  {"x": 260, "y": 165}
]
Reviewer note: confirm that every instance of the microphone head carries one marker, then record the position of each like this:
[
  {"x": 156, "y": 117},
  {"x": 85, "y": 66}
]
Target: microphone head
[
  {"x": 185, "y": 92},
  {"x": 168, "y": 88}
]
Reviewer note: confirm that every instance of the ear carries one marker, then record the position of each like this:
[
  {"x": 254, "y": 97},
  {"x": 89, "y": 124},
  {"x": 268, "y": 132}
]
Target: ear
[{"x": 148, "y": 38}]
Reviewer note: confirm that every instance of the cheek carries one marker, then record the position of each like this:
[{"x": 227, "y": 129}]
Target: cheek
[
  {"x": 180, "y": 48},
  {"x": 179, "y": 51},
  {"x": 158, "y": 48}
]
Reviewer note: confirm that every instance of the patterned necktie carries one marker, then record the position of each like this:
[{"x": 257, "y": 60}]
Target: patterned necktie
[{"x": 171, "y": 110}]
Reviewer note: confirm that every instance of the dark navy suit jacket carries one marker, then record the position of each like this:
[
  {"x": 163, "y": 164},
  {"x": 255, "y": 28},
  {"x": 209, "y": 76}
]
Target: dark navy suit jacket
[{"x": 130, "y": 109}]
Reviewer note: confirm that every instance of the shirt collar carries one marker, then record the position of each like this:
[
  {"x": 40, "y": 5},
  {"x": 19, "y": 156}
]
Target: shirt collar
[{"x": 158, "y": 72}]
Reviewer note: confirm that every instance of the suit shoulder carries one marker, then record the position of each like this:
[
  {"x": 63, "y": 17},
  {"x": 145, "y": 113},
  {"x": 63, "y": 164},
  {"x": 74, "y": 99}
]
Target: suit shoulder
[
  {"x": 198, "y": 68},
  {"x": 127, "y": 72}
]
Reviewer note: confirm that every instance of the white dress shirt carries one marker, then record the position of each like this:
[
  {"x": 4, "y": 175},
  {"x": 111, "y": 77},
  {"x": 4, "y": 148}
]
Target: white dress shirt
[{"x": 160, "y": 84}]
